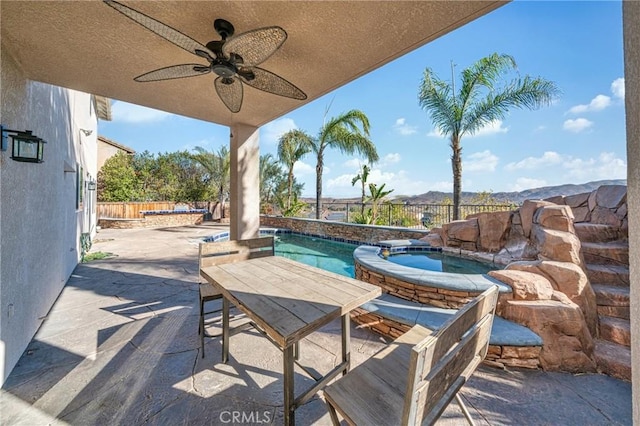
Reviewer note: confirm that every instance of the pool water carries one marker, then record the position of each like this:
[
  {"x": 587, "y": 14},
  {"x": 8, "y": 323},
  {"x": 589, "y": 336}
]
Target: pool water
[
  {"x": 440, "y": 262},
  {"x": 324, "y": 254}
]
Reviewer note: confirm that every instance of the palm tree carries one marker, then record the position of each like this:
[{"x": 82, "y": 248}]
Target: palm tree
[
  {"x": 362, "y": 177},
  {"x": 470, "y": 109},
  {"x": 292, "y": 146},
  {"x": 377, "y": 196},
  {"x": 270, "y": 171},
  {"x": 218, "y": 166},
  {"x": 349, "y": 132}
]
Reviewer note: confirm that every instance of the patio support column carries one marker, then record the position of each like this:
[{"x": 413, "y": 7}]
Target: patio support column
[
  {"x": 631, "y": 17},
  {"x": 245, "y": 182}
]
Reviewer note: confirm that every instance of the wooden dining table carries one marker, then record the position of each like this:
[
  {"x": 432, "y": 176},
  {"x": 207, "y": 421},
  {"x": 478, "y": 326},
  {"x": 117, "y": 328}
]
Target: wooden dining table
[{"x": 288, "y": 301}]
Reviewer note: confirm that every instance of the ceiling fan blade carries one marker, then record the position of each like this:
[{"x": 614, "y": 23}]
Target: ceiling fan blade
[
  {"x": 172, "y": 35},
  {"x": 174, "y": 71},
  {"x": 230, "y": 92},
  {"x": 255, "y": 46},
  {"x": 269, "y": 82}
]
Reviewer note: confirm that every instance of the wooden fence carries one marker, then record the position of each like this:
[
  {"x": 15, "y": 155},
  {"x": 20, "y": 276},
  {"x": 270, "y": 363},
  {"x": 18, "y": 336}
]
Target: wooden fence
[{"x": 131, "y": 210}]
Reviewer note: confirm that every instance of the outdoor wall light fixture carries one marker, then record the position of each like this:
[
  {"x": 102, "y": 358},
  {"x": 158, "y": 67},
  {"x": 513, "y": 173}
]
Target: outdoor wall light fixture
[
  {"x": 26, "y": 146},
  {"x": 91, "y": 185}
]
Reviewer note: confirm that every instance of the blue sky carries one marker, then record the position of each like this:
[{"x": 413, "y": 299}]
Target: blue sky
[{"x": 580, "y": 138}]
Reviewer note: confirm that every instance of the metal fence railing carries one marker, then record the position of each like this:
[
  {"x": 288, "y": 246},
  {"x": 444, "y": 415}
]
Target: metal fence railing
[{"x": 418, "y": 216}]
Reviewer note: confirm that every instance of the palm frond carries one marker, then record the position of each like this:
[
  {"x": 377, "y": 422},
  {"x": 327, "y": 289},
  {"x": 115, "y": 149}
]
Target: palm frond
[
  {"x": 351, "y": 143},
  {"x": 435, "y": 97},
  {"x": 485, "y": 73},
  {"x": 292, "y": 146},
  {"x": 530, "y": 93}
]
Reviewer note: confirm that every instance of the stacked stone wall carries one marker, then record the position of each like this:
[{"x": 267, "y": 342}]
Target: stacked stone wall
[
  {"x": 497, "y": 355},
  {"x": 420, "y": 293},
  {"x": 153, "y": 221},
  {"x": 345, "y": 231}
]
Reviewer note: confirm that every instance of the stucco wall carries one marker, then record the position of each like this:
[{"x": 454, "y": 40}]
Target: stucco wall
[
  {"x": 39, "y": 224},
  {"x": 631, "y": 17},
  {"x": 106, "y": 151}
]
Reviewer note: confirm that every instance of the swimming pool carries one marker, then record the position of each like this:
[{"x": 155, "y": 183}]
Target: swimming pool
[
  {"x": 330, "y": 255},
  {"x": 325, "y": 254},
  {"x": 441, "y": 262}
]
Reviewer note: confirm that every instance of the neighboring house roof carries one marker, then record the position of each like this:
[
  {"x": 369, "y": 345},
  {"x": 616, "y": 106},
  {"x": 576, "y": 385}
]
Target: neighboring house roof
[
  {"x": 117, "y": 145},
  {"x": 103, "y": 107}
]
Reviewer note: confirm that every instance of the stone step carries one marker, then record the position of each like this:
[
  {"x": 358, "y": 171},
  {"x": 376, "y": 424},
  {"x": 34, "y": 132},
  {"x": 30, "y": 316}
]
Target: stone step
[
  {"x": 503, "y": 333},
  {"x": 615, "y": 330},
  {"x": 613, "y": 359},
  {"x": 617, "y": 275},
  {"x": 610, "y": 295},
  {"x": 611, "y": 253},
  {"x": 596, "y": 233},
  {"x": 614, "y": 311}
]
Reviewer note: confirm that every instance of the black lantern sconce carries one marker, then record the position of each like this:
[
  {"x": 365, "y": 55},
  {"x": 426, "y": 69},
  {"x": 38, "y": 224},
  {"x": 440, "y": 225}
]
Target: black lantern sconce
[
  {"x": 91, "y": 185},
  {"x": 25, "y": 147}
]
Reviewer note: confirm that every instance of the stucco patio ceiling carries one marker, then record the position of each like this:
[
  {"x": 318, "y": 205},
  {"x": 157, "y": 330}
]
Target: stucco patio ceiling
[{"x": 88, "y": 46}]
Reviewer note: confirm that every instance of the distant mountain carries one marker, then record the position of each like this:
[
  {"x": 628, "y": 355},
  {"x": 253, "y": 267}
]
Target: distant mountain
[
  {"x": 437, "y": 197},
  {"x": 517, "y": 197}
]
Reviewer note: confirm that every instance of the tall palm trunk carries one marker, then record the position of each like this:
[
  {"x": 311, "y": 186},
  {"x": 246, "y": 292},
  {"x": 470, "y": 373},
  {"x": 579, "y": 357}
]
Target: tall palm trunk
[
  {"x": 221, "y": 200},
  {"x": 289, "y": 188},
  {"x": 456, "y": 165},
  {"x": 319, "y": 167}
]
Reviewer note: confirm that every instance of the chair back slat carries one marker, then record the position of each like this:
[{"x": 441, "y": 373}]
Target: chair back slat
[
  {"x": 217, "y": 253},
  {"x": 441, "y": 363}
]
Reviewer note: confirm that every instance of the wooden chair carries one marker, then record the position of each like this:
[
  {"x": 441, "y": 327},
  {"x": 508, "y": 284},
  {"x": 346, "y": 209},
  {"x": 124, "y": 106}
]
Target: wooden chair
[
  {"x": 217, "y": 253},
  {"x": 411, "y": 381}
]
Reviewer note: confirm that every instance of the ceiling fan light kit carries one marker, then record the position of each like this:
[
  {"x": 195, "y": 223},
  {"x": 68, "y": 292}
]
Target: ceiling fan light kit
[{"x": 233, "y": 59}]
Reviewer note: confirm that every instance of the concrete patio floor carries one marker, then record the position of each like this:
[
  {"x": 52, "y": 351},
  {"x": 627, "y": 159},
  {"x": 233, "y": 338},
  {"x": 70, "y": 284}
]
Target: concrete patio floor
[{"x": 120, "y": 347}]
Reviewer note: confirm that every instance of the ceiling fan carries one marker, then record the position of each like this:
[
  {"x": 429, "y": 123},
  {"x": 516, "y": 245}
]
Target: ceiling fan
[{"x": 233, "y": 59}]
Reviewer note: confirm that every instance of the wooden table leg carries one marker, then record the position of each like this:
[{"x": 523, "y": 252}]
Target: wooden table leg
[
  {"x": 225, "y": 330},
  {"x": 289, "y": 408},
  {"x": 346, "y": 342}
]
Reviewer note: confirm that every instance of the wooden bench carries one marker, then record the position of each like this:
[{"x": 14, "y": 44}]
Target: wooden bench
[
  {"x": 411, "y": 381},
  {"x": 217, "y": 253}
]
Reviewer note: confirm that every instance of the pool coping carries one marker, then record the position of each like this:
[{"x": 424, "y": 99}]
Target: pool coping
[
  {"x": 503, "y": 333},
  {"x": 369, "y": 257},
  {"x": 274, "y": 231}
]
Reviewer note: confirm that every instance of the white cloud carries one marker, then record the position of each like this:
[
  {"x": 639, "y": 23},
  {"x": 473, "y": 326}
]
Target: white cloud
[
  {"x": 400, "y": 182},
  {"x": 483, "y": 161},
  {"x": 492, "y": 128},
  {"x": 617, "y": 88},
  {"x": 403, "y": 128},
  {"x": 578, "y": 125},
  {"x": 567, "y": 168},
  {"x": 436, "y": 133},
  {"x": 129, "y": 113},
  {"x": 354, "y": 164},
  {"x": 530, "y": 163},
  {"x": 606, "y": 166},
  {"x": 391, "y": 158},
  {"x": 598, "y": 103},
  {"x": 271, "y": 132},
  {"x": 527, "y": 183},
  {"x": 302, "y": 168},
  {"x": 202, "y": 143}
]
